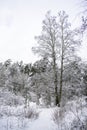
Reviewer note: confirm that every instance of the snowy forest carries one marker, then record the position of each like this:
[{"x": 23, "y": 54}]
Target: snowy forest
[{"x": 51, "y": 93}]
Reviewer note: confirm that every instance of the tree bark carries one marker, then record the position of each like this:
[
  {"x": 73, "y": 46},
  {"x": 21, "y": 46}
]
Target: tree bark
[
  {"x": 61, "y": 69},
  {"x": 55, "y": 80}
]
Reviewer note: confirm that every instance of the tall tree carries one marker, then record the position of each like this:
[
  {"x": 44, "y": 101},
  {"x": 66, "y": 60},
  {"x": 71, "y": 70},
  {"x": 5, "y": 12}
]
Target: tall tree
[
  {"x": 58, "y": 42},
  {"x": 68, "y": 40},
  {"x": 47, "y": 46}
]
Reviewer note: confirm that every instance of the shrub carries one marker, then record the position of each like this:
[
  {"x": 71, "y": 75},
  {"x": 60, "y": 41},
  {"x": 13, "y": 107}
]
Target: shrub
[
  {"x": 72, "y": 116},
  {"x": 31, "y": 113}
]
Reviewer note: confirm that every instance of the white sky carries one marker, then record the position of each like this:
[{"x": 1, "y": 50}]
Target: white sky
[{"x": 21, "y": 21}]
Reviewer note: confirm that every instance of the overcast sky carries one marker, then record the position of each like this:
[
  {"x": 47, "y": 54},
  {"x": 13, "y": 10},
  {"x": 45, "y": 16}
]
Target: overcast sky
[{"x": 21, "y": 21}]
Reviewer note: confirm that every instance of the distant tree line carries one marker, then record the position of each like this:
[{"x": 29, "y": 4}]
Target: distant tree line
[{"x": 38, "y": 79}]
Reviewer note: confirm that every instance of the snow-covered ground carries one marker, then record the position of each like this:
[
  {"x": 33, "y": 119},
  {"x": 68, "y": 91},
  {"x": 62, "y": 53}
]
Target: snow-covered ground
[
  {"x": 45, "y": 119},
  {"x": 17, "y": 117},
  {"x": 43, "y": 122}
]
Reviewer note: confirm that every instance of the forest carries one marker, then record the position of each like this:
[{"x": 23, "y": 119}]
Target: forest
[{"x": 53, "y": 89}]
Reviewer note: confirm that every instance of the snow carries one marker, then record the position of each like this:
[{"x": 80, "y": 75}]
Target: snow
[
  {"x": 13, "y": 117},
  {"x": 44, "y": 121},
  {"x": 73, "y": 111}
]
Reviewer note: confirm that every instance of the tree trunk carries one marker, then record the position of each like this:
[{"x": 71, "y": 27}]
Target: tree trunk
[
  {"x": 61, "y": 80},
  {"x": 61, "y": 69},
  {"x": 55, "y": 81}
]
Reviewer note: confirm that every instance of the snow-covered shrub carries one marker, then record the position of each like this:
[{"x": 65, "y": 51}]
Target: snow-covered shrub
[
  {"x": 19, "y": 111},
  {"x": 72, "y": 116},
  {"x": 79, "y": 125},
  {"x": 58, "y": 115},
  {"x": 31, "y": 113},
  {"x": 14, "y": 100},
  {"x": 9, "y": 98}
]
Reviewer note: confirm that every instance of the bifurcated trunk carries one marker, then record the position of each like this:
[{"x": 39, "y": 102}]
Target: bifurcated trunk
[{"x": 58, "y": 42}]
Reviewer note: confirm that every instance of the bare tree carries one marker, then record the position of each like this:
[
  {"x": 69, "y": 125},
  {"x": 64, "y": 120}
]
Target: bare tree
[
  {"x": 57, "y": 42},
  {"x": 68, "y": 40},
  {"x": 47, "y": 46}
]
